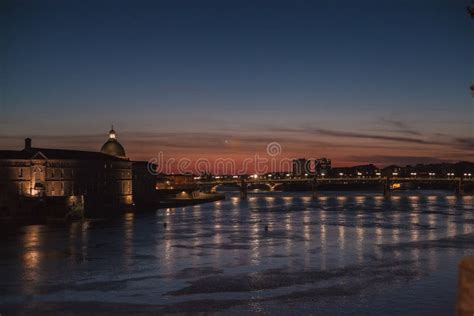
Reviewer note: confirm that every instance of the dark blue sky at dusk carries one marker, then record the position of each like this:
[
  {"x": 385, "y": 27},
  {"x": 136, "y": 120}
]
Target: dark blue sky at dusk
[{"x": 357, "y": 81}]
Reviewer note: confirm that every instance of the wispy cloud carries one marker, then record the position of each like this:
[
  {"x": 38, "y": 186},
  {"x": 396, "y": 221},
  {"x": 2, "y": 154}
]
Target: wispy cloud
[
  {"x": 399, "y": 160},
  {"x": 358, "y": 135},
  {"x": 372, "y": 136},
  {"x": 464, "y": 143},
  {"x": 398, "y": 126}
]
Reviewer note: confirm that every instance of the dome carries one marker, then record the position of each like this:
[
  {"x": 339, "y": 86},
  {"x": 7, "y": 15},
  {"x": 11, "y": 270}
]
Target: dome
[{"x": 112, "y": 146}]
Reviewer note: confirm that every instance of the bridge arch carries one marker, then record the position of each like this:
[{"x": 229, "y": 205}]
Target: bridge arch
[
  {"x": 216, "y": 186},
  {"x": 272, "y": 185}
]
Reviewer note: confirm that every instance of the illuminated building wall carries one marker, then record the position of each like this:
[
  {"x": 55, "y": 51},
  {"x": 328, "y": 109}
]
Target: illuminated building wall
[{"x": 42, "y": 173}]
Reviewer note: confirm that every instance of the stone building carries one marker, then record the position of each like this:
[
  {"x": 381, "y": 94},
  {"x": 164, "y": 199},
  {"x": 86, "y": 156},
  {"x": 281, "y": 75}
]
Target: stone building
[
  {"x": 144, "y": 184},
  {"x": 103, "y": 180}
]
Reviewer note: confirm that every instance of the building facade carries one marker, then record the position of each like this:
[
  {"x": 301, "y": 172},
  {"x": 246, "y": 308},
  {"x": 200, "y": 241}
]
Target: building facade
[
  {"x": 102, "y": 180},
  {"x": 144, "y": 183},
  {"x": 301, "y": 167},
  {"x": 322, "y": 166}
]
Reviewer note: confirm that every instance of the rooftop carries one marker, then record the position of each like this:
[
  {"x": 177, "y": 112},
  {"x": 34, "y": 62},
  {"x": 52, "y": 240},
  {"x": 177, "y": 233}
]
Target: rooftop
[{"x": 49, "y": 153}]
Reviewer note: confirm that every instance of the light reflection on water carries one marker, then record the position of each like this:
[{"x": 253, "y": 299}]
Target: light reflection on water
[
  {"x": 128, "y": 240},
  {"x": 31, "y": 258},
  {"x": 229, "y": 237}
]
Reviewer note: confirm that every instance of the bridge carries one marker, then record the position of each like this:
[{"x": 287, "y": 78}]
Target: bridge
[{"x": 389, "y": 183}]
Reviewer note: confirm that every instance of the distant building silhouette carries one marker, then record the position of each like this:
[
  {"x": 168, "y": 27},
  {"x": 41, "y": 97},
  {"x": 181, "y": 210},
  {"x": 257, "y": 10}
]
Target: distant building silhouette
[
  {"x": 356, "y": 171},
  {"x": 301, "y": 167},
  {"x": 322, "y": 166}
]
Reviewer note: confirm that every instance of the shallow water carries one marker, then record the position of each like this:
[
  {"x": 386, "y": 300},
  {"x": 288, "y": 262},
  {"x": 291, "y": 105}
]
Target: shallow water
[{"x": 342, "y": 253}]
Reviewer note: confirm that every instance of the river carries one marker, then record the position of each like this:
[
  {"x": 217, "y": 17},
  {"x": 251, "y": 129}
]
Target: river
[{"x": 342, "y": 253}]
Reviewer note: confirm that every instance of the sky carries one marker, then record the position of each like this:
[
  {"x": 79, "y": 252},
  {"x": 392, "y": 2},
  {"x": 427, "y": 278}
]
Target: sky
[{"x": 355, "y": 81}]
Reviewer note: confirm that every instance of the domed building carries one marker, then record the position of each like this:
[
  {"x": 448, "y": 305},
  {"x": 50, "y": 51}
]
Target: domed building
[
  {"x": 113, "y": 147},
  {"x": 97, "y": 182}
]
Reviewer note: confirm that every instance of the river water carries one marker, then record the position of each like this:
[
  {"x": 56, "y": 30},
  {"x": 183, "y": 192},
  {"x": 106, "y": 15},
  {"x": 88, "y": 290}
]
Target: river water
[{"x": 339, "y": 254}]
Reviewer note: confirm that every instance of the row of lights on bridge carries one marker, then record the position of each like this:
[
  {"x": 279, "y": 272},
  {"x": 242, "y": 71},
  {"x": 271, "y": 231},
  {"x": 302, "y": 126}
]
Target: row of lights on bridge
[
  {"x": 467, "y": 175},
  {"x": 378, "y": 174}
]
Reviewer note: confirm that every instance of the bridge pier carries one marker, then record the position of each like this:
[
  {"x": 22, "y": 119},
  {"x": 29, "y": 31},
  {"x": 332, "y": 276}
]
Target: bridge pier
[
  {"x": 460, "y": 187},
  {"x": 243, "y": 189},
  {"x": 387, "y": 190},
  {"x": 314, "y": 189}
]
